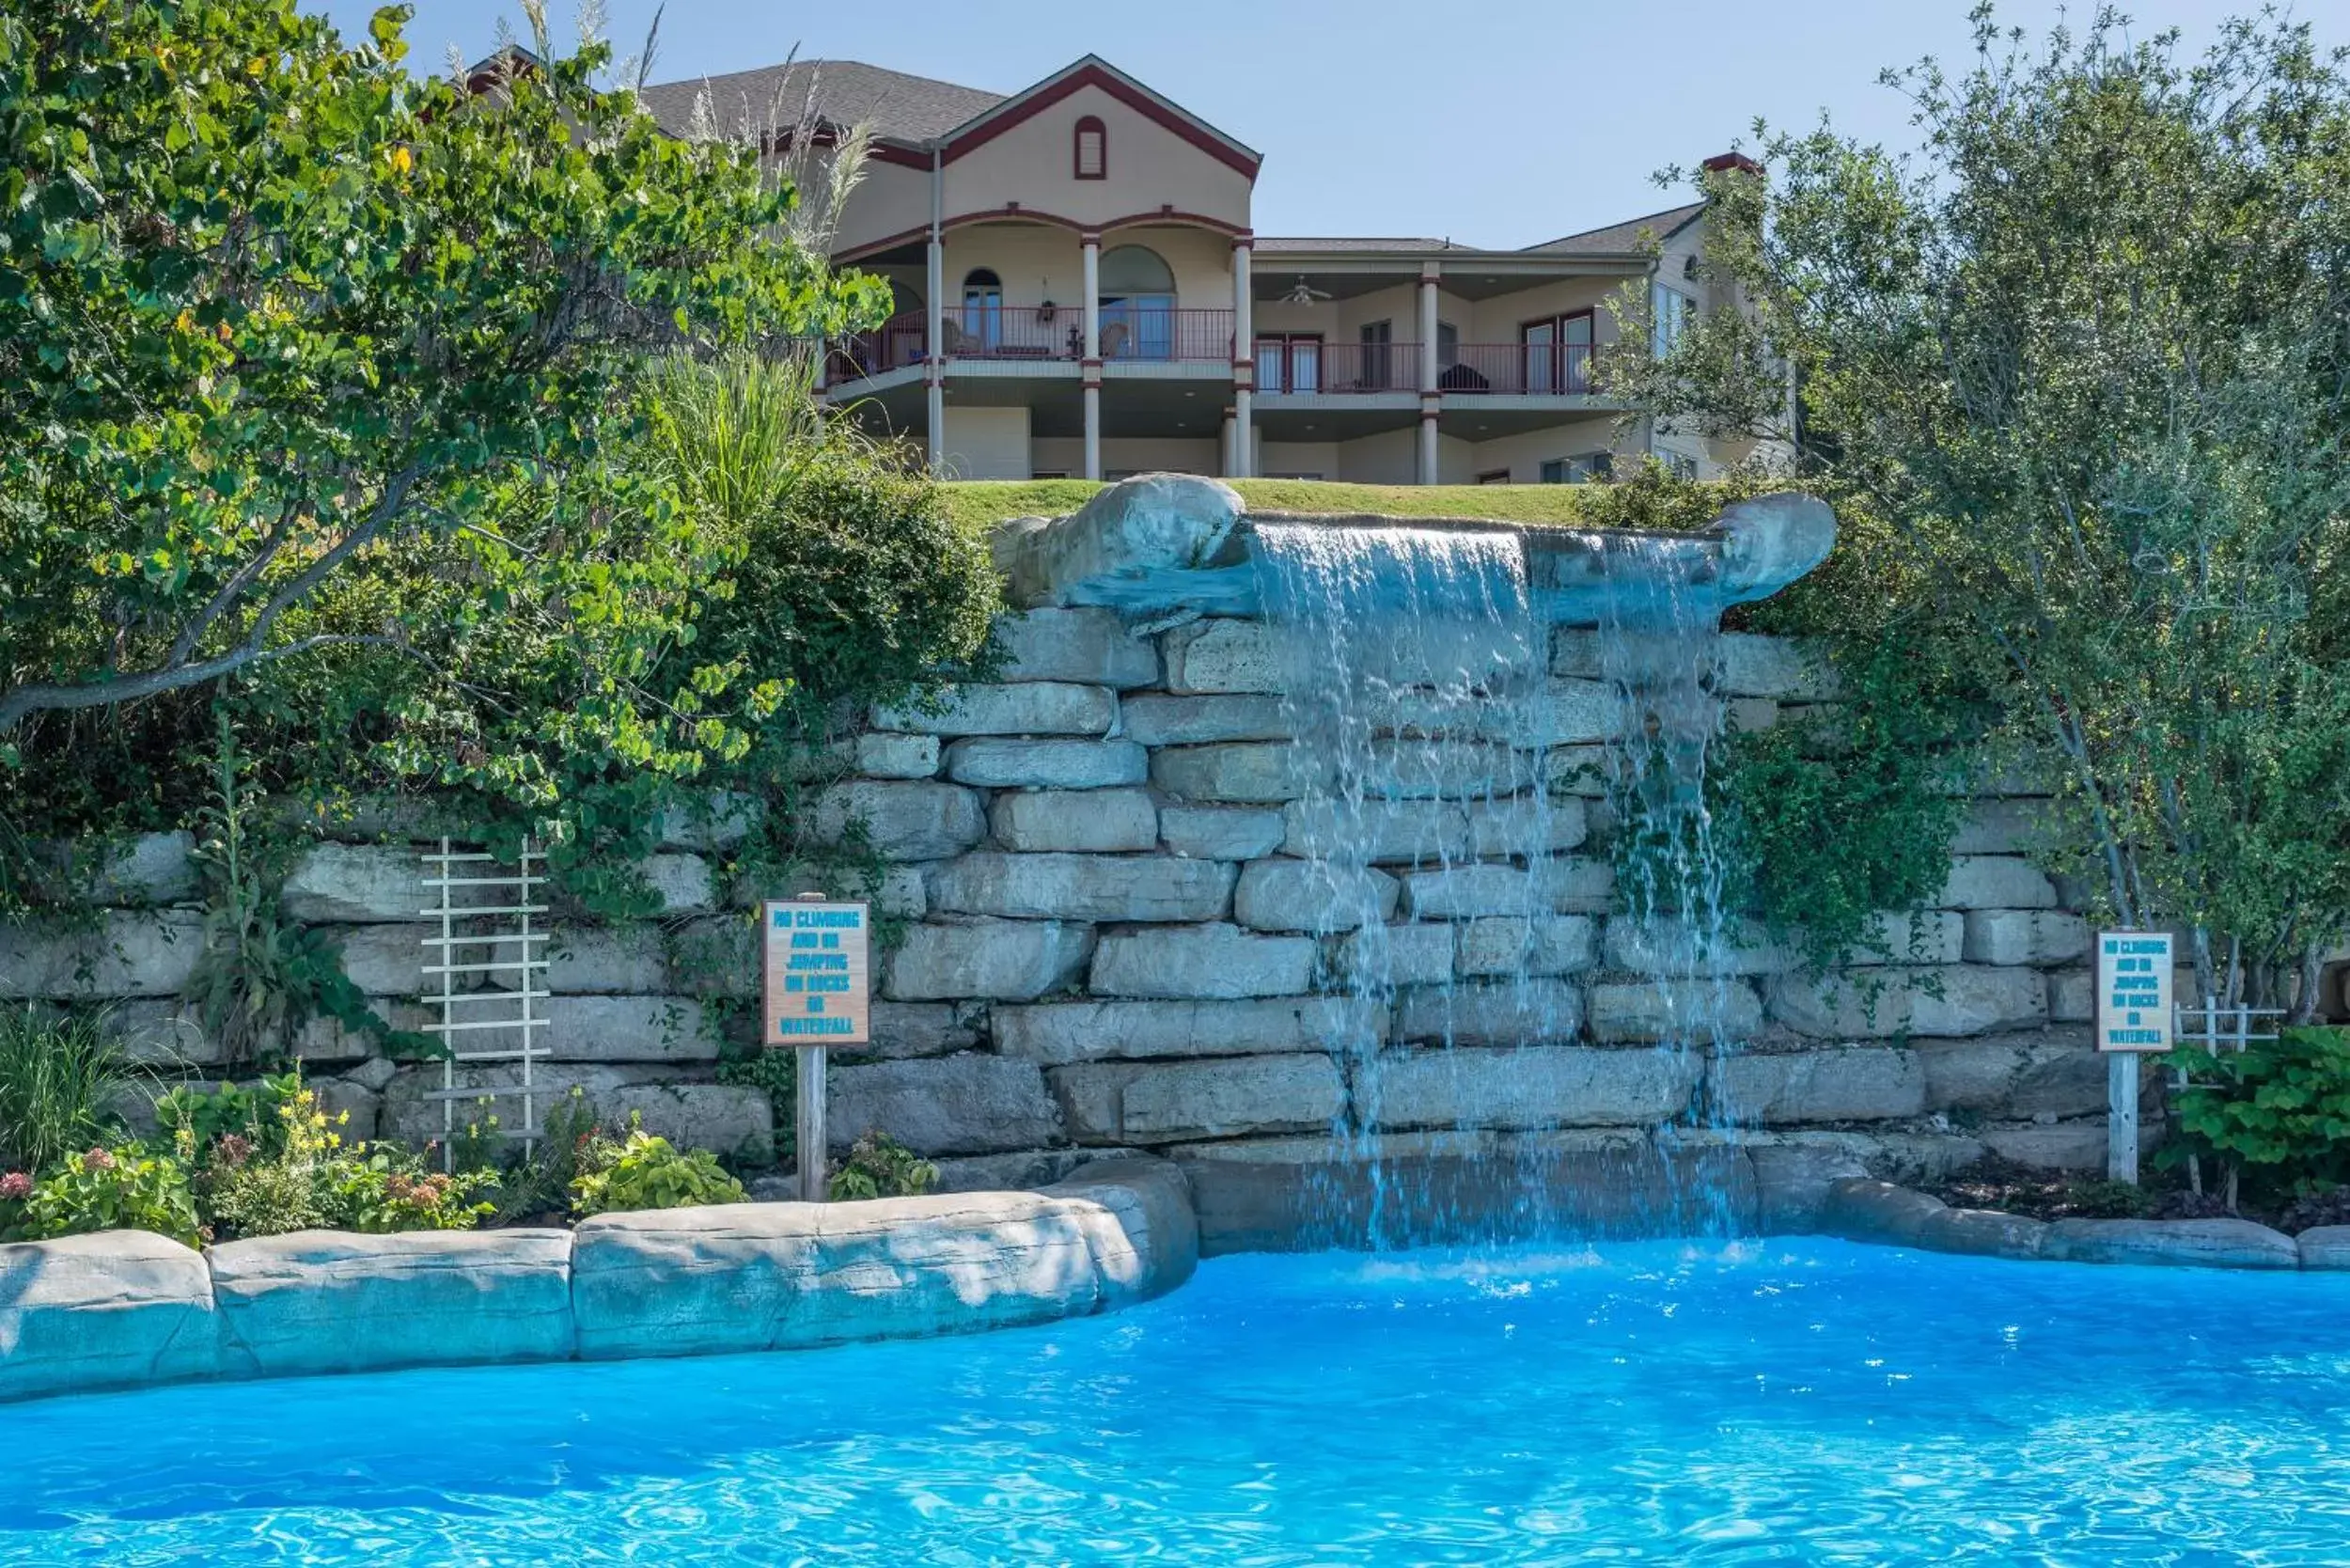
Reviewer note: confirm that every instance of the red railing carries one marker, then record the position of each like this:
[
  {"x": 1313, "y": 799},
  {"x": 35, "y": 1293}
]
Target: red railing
[
  {"x": 1164, "y": 332},
  {"x": 1309, "y": 365},
  {"x": 1536, "y": 369},
  {"x": 897, "y": 343}
]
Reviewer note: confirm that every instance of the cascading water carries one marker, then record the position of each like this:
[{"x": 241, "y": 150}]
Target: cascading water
[{"x": 1415, "y": 678}]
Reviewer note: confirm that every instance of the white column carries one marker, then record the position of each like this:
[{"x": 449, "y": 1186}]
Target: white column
[
  {"x": 1431, "y": 400},
  {"x": 934, "y": 330},
  {"x": 1244, "y": 363},
  {"x": 1232, "y": 449},
  {"x": 1090, "y": 367}
]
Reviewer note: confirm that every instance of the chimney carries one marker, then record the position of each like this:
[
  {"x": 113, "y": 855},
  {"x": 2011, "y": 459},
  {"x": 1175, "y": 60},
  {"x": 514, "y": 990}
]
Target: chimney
[{"x": 1722, "y": 161}]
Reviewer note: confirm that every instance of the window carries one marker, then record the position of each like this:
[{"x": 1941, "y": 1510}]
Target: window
[
  {"x": 1670, "y": 311},
  {"x": 1137, "y": 304},
  {"x": 1681, "y": 466},
  {"x": 1557, "y": 354},
  {"x": 1581, "y": 469},
  {"x": 1377, "y": 373},
  {"x": 983, "y": 309},
  {"x": 1090, "y": 153},
  {"x": 1288, "y": 362},
  {"x": 1448, "y": 346},
  {"x": 1493, "y": 475},
  {"x": 1050, "y": 474}
]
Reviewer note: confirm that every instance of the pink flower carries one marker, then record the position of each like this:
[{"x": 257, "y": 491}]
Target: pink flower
[
  {"x": 16, "y": 1185},
  {"x": 98, "y": 1159}
]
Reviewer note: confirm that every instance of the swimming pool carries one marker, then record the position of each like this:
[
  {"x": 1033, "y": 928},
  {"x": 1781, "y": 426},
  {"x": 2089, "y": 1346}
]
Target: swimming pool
[{"x": 1800, "y": 1401}]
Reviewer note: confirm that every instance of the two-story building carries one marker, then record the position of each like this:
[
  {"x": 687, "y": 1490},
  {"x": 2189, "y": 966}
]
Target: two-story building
[{"x": 1081, "y": 291}]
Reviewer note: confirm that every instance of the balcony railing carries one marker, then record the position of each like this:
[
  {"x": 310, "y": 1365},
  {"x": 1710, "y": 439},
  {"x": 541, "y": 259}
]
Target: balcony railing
[
  {"x": 1041, "y": 332},
  {"x": 1519, "y": 369}
]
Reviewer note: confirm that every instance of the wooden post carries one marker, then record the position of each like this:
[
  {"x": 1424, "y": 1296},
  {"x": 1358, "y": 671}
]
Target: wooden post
[
  {"x": 2122, "y": 1117},
  {"x": 810, "y": 1123}
]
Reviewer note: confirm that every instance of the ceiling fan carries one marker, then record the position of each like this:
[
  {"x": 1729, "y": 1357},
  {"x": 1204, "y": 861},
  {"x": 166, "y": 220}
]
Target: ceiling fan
[{"x": 1302, "y": 293}]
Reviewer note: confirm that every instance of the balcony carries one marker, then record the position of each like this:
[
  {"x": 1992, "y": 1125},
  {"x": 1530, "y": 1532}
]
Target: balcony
[
  {"x": 1042, "y": 334},
  {"x": 1305, "y": 365}
]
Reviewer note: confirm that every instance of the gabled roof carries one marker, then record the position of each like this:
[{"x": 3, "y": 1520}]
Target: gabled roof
[
  {"x": 836, "y": 94},
  {"x": 1092, "y": 71},
  {"x": 1619, "y": 238}
]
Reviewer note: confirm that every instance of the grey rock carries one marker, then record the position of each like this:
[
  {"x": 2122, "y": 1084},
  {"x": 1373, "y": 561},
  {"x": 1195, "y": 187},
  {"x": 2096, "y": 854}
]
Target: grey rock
[
  {"x": 910, "y": 821},
  {"x": 1756, "y": 666},
  {"x": 2019, "y": 1075},
  {"x": 2033, "y": 936},
  {"x": 1791, "y": 1181},
  {"x": 121, "y": 953},
  {"x": 2175, "y": 1243},
  {"x": 1531, "y": 825},
  {"x": 727, "y": 1119},
  {"x": 160, "y": 1032},
  {"x": 1387, "y": 832},
  {"x": 1002, "y": 765},
  {"x": 1861, "y": 1209},
  {"x": 1917, "y": 937},
  {"x": 1559, "y": 1086},
  {"x": 1006, "y": 959},
  {"x": 1312, "y": 895},
  {"x": 1161, "y": 718},
  {"x": 1994, "y": 881},
  {"x": 1663, "y": 946},
  {"x": 891, "y": 754},
  {"x": 1540, "y": 944},
  {"x": 2072, "y": 998},
  {"x": 1380, "y": 957},
  {"x": 135, "y": 871},
  {"x": 324, "y": 1301},
  {"x": 1878, "y": 1003},
  {"x": 1461, "y": 892},
  {"x": 1212, "y": 961},
  {"x": 1564, "y": 712},
  {"x": 389, "y": 960},
  {"x": 1083, "y": 886},
  {"x": 1091, "y": 646},
  {"x": 1219, "y": 832},
  {"x": 1022, "y": 1171},
  {"x": 1446, "y": 770},
  {"x": 2326, "y": 1247},
  {"x": 1492, "y": 1013},
  {"x": 902, "y": 1029},
  {"x": 1119, "y": 545},
  {"x": 1575, "y": 885},
  {"x": 1153, "y": 1247},
  {"x": 961, "y": 1105},
  {"x": 359, "y": 883},
  {"x": 1223, "y": 655},
  {"x": 1247, "y": 773},
  {"x": 599, "y": 960},
  {"x": 1023, "y": 708},
  {"x": 354, "y": 1110},
  {"x": 2065, "y": 1146},
  {"x": 721, "y": 820},
  {"x": 111, "y": 1310},
  {"x": 1056, "y": 1033},
  {"x": 1160, "y": 1103},
  {"x": 2009, "y": 826},
  {"x": 1684, "y": 1011},
  {"x": 1097, "y": 822},
  {"x": 1862, "y": 1084},
  {"x": 1983, "y": 1234}
]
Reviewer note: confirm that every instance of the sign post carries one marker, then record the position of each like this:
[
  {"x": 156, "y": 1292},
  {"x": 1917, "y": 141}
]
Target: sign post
[
  {"x": 2134, "y": 1019},
  {"x": 817, "y": 985}
]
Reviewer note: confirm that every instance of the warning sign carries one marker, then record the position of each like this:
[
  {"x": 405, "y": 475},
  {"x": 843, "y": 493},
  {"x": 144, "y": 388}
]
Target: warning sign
[
  {"x": 2134, "y": 986},
  {"x": 819, "y": 987}
]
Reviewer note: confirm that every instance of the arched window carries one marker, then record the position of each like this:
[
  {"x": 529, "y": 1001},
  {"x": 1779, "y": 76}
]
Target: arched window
[
  {"x": 1137, "y": 304},
  {"x": 1093, "y": 154},
  {"x": 983, "y": 307}
]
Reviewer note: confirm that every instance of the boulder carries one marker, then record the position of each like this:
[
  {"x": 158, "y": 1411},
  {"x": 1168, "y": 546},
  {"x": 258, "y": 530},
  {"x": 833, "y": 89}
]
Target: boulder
[
  {"x": 119, "y": 953},
  {"x": 1022, "y": 1171},
  {"x": 727, "y": 1119},
  {"x": 1055, "y": 886},
  {"x": 902, "y": 1029},
  {"x": 327, "y": 1301},
  {"x": 1410, "y": 769},
  {"x": 1862, "y": 1084},
  {"x": 1311, "y": 895},
  {"x": 908, "y": 821},
  {"x": 362, "y": 883},
  {"x": 1023, "y": 708},
  {"x": 618, "y": 1028},
  {"x": 1381, "y": 957},
  {"x": 1792, "y": 1180},
  {"x": 2072, "y": 998},
  {"x": 1024, "y": 764},
  {"x": 135, "y": 871},
  {"x": 892, "y": 754},
  {"x": 2327, "y": 1247},
  {"x": 1462, "y": 892},
  {"x": 2008, "y": 826},
  {"x": 1752, "y": 664},
  {"x": 1161, "y": 718},
  {"x": 1676, "y": 947},
  {"x": 756, "y": 1276},
  {"x": 1983, "y": 1234},
  {"x": 1219, "y": 832},
  {"x": 682, "y": 883},
  {"x": 1208, "y": 961},
  {"x": 1006, "y": 959},
  {"x": 2174, "y": 1243},
  {"x": 1161, "y": 1102},
  {"x": 1554, "y": 1086},
  {"x": 1056, "y": 1033},
  {"x": 1563, "y": 712},
  {"x": 1091, "y": 646},
  {"x": 2015, "y": 1075},
  {"x": 1575, "y": 885},
  {"x": 1529, "y": 825},
  {"x": 1246, "y": 773},
  {"x": 2056, "y": 1146},
  {"x": 1697, "y": 1011},
  {"x": 1539, "y": 945},
  {"x": 1492, "y": 1013},
  {"x": 595, "y": 960},
  {"x": 1154, "y": 1245},
  {"x": 1223, "y": 655},
  {"x": 1914, "y": 936},
  {"x": 1994, "y": 881},
  {"x": 721, "y": 819},
  {"x": 960, "y": 1104},
  {"x": 1096, "y": 822},
  {"x": 1861, "y": 1209},
  {"x": 111, "y": 1310},
  {"x": 1119, "y": 547},
  {"x": 388, "y": 960},
  {"x": 1378, "y": 831},
  {"x": 2033, "y": 936},
  {"x": 1880, "y": 1003}
]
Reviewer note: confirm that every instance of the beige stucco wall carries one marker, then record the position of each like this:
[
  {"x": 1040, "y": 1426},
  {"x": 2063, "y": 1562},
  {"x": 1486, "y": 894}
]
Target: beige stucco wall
[
  {"x": 987, "y": 443},
  {"x": 889, "y": 201},
  {"x": 1147, "y": 167},
  {"x": 1061, "y": 454},
  {"x": 1038, "y": 262}
]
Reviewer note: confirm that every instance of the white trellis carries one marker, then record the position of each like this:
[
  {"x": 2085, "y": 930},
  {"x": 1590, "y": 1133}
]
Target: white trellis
[
  {"x": 486, "y": 908},
  {"x": 2217, "y": 1030}
]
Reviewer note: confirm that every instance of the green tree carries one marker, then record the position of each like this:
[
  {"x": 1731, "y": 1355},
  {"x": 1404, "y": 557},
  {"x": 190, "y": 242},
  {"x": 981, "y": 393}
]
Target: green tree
[
  {"x": 269, "y": 307},
  {"x": 2089, "y": 348}
]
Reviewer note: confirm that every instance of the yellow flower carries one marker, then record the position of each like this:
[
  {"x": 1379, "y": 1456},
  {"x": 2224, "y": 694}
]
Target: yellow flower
[{"x": 400, "y": 159}]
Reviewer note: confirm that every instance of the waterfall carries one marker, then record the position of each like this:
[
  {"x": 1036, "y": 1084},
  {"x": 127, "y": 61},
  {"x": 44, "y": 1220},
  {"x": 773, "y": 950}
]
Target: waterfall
[{"x": 1415, "y": 675}]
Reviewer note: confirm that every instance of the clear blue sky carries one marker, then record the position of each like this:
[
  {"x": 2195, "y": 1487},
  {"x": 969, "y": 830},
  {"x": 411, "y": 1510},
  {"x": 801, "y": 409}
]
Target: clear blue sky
[{"x": 1497, "y": 122}]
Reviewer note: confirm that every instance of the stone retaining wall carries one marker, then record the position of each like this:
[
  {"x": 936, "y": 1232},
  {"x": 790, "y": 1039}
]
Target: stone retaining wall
[
  {"x": 123, "y": 1308},
  {"x": 1112, "y": 945}
]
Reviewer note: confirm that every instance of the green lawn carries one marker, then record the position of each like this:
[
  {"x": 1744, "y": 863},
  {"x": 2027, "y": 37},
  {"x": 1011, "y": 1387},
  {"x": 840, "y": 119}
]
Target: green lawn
[{"x": 981, "y": 502}]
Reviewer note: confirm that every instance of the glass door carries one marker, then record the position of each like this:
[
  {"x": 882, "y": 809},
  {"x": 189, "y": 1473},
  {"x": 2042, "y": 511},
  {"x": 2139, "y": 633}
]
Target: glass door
[{"x": 1540, "y": 355}]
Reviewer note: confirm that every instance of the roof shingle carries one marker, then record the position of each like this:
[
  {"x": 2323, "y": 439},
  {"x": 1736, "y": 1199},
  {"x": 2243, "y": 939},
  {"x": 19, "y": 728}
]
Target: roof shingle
[{"x": 837, "y": 93}]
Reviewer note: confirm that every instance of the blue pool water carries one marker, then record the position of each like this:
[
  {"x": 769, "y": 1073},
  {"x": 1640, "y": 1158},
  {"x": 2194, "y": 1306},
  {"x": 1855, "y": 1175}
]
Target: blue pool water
[{"x": 1781, "y": 1402}]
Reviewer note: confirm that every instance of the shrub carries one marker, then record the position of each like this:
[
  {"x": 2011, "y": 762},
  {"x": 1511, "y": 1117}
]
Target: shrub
[
  {"x": 642, "y": 1172},
  {"x": 881, "y": 1166},
  {"x": 59, "y": 1078},
  {"x": 123, "y": 1188},
  {"x": 380, "y": 1190},
  {"x": 2276, "y": 1112}
]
